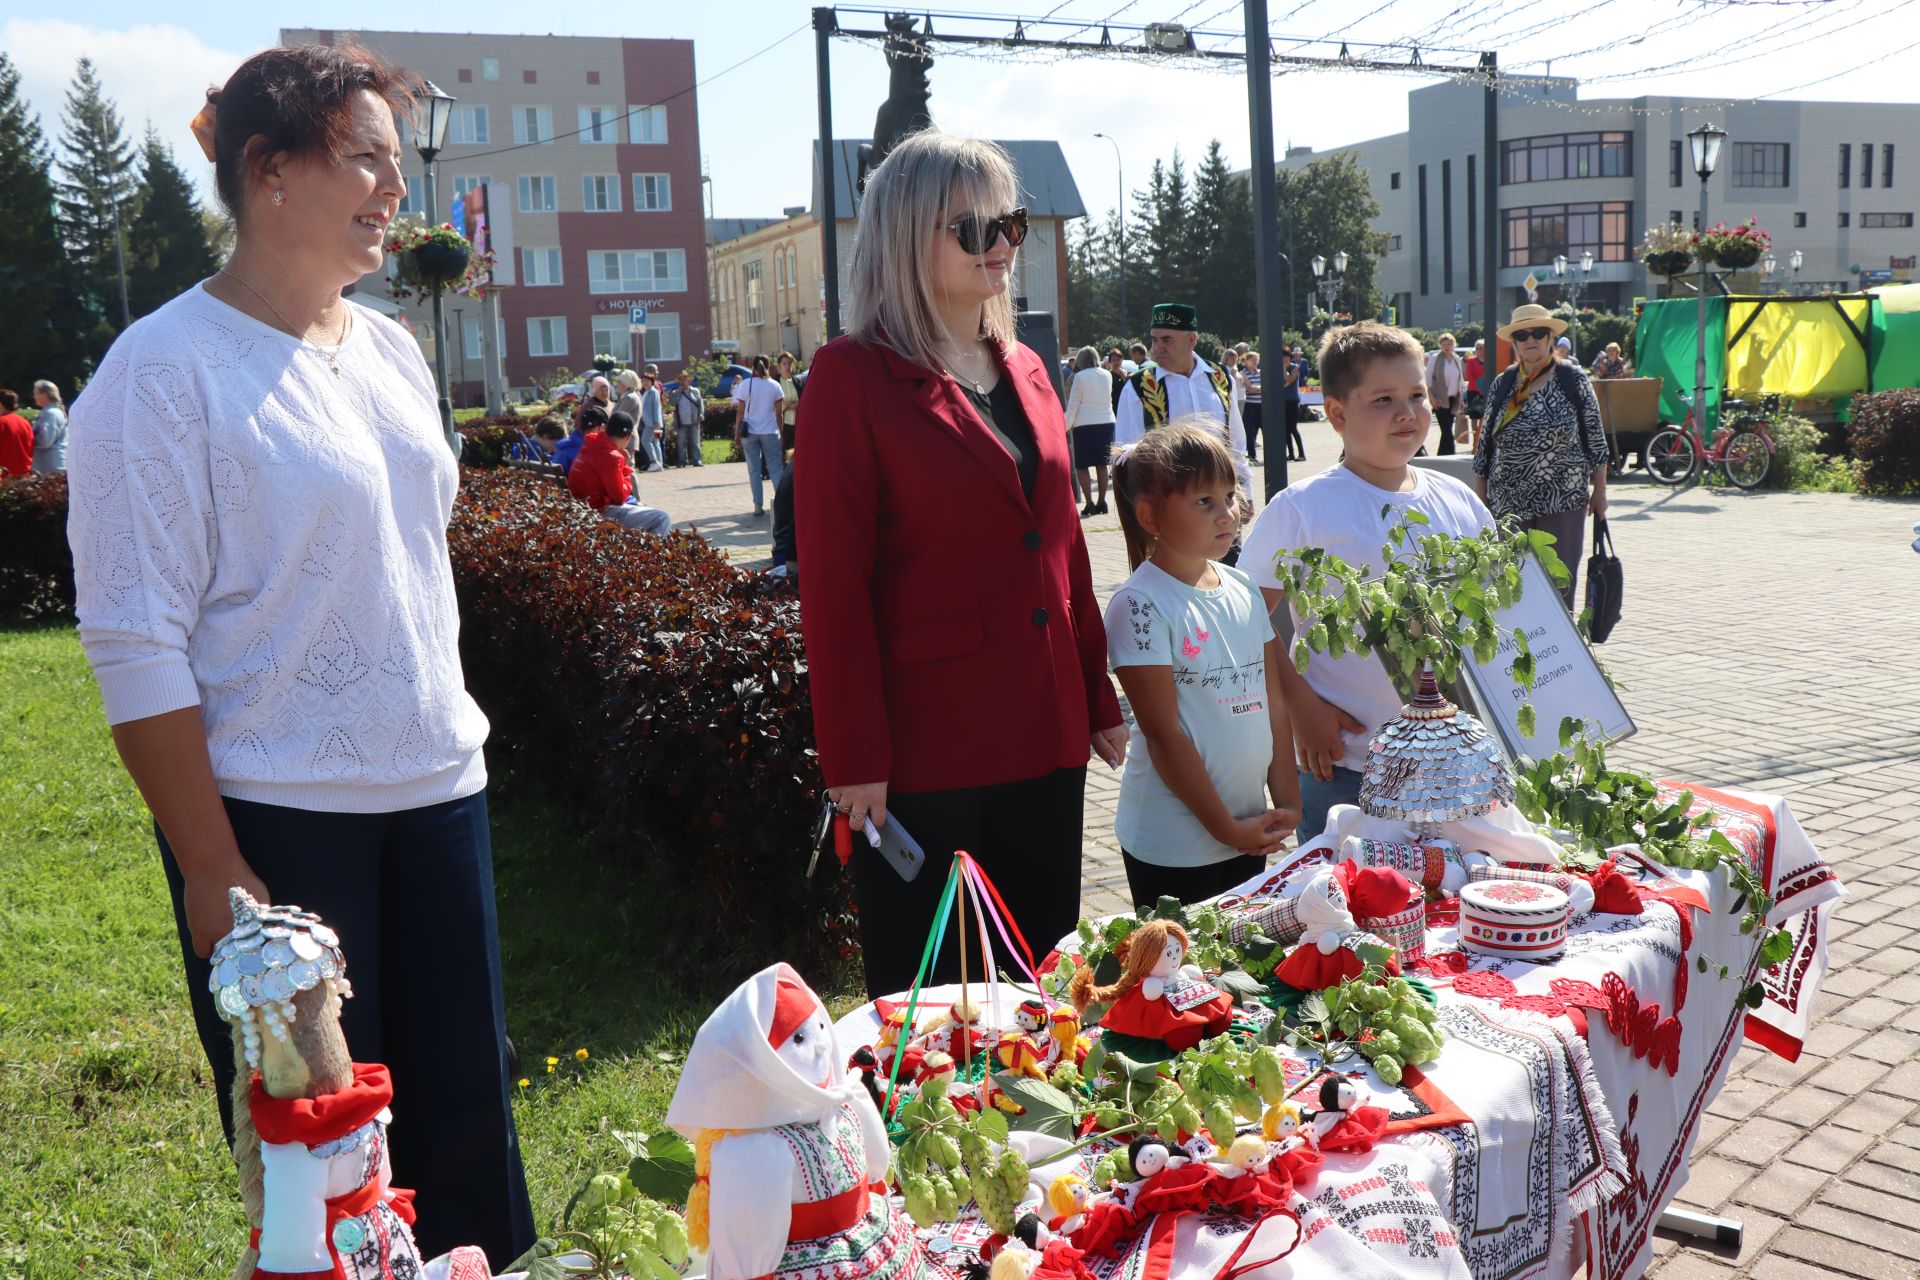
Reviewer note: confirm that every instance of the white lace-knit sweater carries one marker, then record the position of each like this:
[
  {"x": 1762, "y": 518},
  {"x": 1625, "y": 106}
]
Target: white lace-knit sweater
[{"x": 260, "y": 536}]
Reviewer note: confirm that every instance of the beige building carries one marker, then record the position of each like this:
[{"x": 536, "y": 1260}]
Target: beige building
[{"x": 764, "y": 287}]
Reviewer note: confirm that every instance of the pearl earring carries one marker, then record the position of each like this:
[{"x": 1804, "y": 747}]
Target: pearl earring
[{"x": 279, "y": 197}]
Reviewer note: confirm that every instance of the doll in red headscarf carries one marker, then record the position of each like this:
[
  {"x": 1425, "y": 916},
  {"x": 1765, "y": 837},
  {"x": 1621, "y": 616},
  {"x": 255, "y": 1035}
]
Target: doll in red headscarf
[{"x": 1158, "y": 995}]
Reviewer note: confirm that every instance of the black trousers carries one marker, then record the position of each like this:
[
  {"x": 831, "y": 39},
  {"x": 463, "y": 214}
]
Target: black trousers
[
  {"x": 1296, "y": 447},
  {"x": 1025, "y": 835},
  {"x": 1443, "y": 414},
  {"x": 411, "y": 896},
  {"x": 1250, "y": 416},
  {"x": 1149, "y": 882}
]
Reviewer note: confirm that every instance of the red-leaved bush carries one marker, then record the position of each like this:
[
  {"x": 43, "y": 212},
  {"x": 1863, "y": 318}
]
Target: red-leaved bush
[
  {"x": 1884, "y": 438},
  {"x": 36, "y": 566}
]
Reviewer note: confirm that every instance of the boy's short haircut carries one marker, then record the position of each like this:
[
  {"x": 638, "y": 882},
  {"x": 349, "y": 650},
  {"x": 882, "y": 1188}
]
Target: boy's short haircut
[
  {"x": 551, "y": 427},
  {"x": 1346, "y": 352}
]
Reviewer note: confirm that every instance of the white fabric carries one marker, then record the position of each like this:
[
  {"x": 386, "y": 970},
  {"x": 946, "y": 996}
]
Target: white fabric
[
  {"x": 734, "y": 1079},
  {"x": 1341, "y": 513},
  {"x": 753, "y": 1177},
  {"x": 1445, "y": 376},
  {"x": 260, "y": 537},
  {"x": 1187, "y": 395},
  {"x": 1215, "y": 643},
  {"x": 758, "y": 397},
  {"x": 293, "y": 1220},
  {"x": 1090, "y": 398}
]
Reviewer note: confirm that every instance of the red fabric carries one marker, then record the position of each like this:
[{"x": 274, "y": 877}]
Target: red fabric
[
  {"x": 1108, "y": 1223},
  {"x": 1373, "y": 892},
  {"x": 600, "y": 475},
  {"x": 1476, "y": 368},
  {"x": 16, "y": 444},
  {"x": 329, "y": 1116},
  {"x": 1187, "y": 1189},
  {"x": 1358, "y": 1130},
  {"x": 793, "y": 1004},
  {"x": 1135, "y": 1015},
  {"x": 1305, "y": 969},
  {"x": 1060, "y": 1261},
  {"x": 932, "y": 665},
  {"x": 1613, "y": 892},
  {"x": 831, "y": 1216}
]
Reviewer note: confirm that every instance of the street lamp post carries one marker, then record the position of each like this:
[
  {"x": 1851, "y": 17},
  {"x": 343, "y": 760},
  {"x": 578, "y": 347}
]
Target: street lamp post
[
  {"x": 433, "y": 109},
  {"x": 1330, "y": 285},
  {"x": 1704, "y": 142},
  {"x": 1574, "y": 286},
  {"x": 1120, "y": 221},
  {"x": 1767, "y": 265},
  {"x": 1794, "y": 260}
]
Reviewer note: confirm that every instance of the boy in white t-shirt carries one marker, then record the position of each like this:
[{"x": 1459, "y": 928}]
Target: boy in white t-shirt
[{"x": 1374, "y": 378}]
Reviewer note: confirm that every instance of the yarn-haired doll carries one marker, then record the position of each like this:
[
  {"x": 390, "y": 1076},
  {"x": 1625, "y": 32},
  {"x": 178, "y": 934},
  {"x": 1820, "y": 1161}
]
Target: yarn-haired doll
[
  {"x": 310, "y": 1124},
  {"x": 1158, "y": 995}
]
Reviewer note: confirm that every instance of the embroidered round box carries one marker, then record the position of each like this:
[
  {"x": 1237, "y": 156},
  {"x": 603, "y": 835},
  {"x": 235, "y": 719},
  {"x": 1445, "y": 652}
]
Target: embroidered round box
[
  {"x": 1514, "y": 919},
  {"x": 1405, "y": 930}
]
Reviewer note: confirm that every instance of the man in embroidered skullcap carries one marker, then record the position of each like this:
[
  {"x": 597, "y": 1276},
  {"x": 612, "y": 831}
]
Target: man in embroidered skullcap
[{"x": 1178, "y": 384}]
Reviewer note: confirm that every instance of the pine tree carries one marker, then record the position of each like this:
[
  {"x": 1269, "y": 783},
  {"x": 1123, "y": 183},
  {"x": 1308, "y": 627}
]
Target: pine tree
[
  {"x": 1222, "y": 248},
  {"x": 46, "y": 326},
  {"x": 95, "y": 192},
  {"x": 167, "y": 250}
]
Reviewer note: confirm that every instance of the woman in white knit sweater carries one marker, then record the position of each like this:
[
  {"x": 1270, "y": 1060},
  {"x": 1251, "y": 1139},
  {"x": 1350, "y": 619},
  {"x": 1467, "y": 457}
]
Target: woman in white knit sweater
[
  {"x": 260, "y": 495},
  {"x": 1090, "y": 425}
]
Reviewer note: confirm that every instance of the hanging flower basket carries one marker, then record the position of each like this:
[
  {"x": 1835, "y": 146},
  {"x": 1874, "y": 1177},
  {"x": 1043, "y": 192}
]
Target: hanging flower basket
[
  {"x": 440, "y": 263},
  {"x": 1735, "y": 248},
  {"x": 605, "y": 363},
  {"x": 1669, "y": 263},
  {"x": 435, "y": 259}
]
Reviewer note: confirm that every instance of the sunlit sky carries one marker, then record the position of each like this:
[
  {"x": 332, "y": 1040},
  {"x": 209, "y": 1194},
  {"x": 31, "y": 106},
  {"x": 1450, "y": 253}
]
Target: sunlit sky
[{"x": 756, "y": 122}]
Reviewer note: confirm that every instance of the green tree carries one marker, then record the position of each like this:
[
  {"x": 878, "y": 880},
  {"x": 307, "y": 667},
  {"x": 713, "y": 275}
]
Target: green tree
[
  {"x": 1327, "y": 207},
  {"x": 95, "y": 192},
  {"x": 1222, "y": 247},
  {"x": 1160, "y": 267},
  {"x": 46, "y": 324},
  {"x": 167, "y": 250},
  {"x": 1093, "y": 281}
]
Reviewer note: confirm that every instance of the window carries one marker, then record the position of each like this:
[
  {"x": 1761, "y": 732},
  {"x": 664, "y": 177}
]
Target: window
[
  {"x": 1883, "y": 220},
  {"x": 1866, "y": 164},
  {"x": 1676, "y": 164},
  {"x": 1421, "y": 173},
  {"x": 1446, "y": 226},
  {"x": 1567, "y": 155},
  {"x": 1675, "y": 216},
  {"x": 598, "y": 124},
  {"x": 663, "y": 336},
  {"x": 1539, "y": 234},
  {"x": 780, "y": 269},
  {"x": 465, "y": 182},
  {"x": 546, "y": 335},
  {"x": 1760, "y": 164},
  {"x": 1473, "y": 227},
  {"x": 470, "y": 334},
  {"x": 1846, "y": 164},
  {"x": 540, "y": 267},
  {"x": 532, "y": 124},
  {"x": 653, "y": 192},
  {"x": 536, "y": 193},
  {"x": 529, "y": 76},
  {"x": 411, "y": 203},
  {"x": 1844, "y": 219},
  {"x": 637, "y": 271},
  {"x": 468, "y": 125},
  {"x": 754, "y": 315},
  {"x": 1391, "y": 244},
  {"x": 489, "y": 68},
  {"x": 1393, "y": 182},
  {"x": 1886, "y": 164},
  {"x": 1800, "y": 219},
  {"x": 793, "y": 269},
  {"x": 611, "y": 336},
  {"x": 646, "y": 124},
  {"x": 600, "y": 192}
]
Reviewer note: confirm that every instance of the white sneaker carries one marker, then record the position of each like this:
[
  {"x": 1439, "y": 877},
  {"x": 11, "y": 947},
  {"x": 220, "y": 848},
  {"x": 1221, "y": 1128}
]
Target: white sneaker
[{"x": 656, "y": 467}]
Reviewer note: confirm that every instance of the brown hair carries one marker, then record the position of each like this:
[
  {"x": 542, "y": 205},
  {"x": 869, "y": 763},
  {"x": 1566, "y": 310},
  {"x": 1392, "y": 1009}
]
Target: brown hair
[
  {"x": 1346, "y": 352},
  {"x": 1168, "y": 461},
  {"x": 297, "y": 101},
  {"x": 9, "y": 401},
  {"x": 1137, "y": 953},
  {"x": 551, "y": 427}
]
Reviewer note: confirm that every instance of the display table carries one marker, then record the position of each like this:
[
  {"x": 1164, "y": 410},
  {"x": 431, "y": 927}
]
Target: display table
[{"x": 1555, "y": 1125}]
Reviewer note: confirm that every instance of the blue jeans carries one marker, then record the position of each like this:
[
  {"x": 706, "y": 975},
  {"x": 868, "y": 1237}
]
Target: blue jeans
[
  {"x": 411, "y": 896},
  {"x": 650, "y": 446},
  {"x": 1316, "y": 797},
  {"x": 763, "y": 449},
  {"x": 687, "y": 437}
]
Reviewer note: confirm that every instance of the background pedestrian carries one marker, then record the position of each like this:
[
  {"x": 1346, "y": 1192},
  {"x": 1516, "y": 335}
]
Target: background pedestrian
[{"x": 49, "y": 429}]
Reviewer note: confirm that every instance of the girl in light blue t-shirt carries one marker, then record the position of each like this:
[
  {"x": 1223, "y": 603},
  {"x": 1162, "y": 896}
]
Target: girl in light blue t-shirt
[{"x": 1210, "y": 797}]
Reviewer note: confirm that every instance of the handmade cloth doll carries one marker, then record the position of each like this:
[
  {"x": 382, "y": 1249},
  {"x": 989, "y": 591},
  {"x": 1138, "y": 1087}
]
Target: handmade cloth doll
[
  {"x": 894, "y": 1032},
  {"x": 790, "y": 1156},
  {"x": 1037, "y": 1253},
  {"x": 1504, "y": 833},
  {"x": 1327, "y": 907},
  {"x": 1342, "y": 1123},
  {"x": 1064, "y": 1041},
  {"x": 960, "y": 1032},
  {"x": 1158, "y": 995},
  {"x": 1067, "y": 1197},
  {"x": 310, "y": 1124}
]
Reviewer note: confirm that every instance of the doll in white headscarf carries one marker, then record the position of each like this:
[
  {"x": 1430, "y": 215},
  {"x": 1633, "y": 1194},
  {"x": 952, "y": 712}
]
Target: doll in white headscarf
[{"x": 790, "y": 1156}]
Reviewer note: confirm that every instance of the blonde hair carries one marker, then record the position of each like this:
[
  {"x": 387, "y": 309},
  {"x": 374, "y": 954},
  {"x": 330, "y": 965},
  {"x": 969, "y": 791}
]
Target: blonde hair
[
  {"x": 921, "y": 185},
  {"x": 627, "y": 381},
  {"x": 52, "y": 392},
  {"x": 1170, "y": 460},
  {"x": 1060, "y": 1194},
  {"x": 1137, "y": 953},
  {"x": 1346, "y": 351}
]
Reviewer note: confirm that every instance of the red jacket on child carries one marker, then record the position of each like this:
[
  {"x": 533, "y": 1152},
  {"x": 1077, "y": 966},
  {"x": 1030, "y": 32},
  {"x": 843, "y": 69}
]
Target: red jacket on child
[{"x": 601, "y": 475}]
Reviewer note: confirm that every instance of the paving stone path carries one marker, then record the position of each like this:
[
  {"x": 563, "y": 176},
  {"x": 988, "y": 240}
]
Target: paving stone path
[{"x": 1768, "y": 642}]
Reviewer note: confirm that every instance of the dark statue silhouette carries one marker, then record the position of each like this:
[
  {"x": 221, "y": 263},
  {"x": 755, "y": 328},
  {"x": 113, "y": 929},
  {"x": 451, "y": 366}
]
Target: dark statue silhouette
[{"x": 905, "y": 110}]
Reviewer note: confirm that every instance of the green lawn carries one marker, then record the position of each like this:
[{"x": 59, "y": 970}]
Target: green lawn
[{"x": 107, "y": 1119}]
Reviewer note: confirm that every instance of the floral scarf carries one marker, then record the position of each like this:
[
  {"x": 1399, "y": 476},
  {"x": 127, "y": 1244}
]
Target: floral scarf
[{"x": 1521, "y": 391}]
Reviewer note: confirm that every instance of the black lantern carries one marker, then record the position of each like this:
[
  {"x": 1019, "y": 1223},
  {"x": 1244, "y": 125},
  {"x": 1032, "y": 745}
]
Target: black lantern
[{"x": 433, "y": 108}]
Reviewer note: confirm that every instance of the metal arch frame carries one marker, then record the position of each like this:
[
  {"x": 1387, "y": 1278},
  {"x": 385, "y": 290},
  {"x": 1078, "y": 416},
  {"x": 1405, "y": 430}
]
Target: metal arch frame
[{"x": 1259, "y": 58}]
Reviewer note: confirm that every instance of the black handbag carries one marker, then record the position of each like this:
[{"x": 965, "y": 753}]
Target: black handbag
[{"x": 1605, "y": 584}]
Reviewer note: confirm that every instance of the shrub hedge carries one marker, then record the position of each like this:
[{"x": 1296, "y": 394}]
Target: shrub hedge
[
  {"x": 639, "y": 679},
  {"x": 1884, "y": 437}
]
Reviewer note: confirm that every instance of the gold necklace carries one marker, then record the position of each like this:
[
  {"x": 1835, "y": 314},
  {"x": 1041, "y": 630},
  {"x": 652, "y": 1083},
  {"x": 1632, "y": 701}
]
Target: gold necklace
[
  {"x": 331, "y": 353},
  {"x": 978, "y": 386}
]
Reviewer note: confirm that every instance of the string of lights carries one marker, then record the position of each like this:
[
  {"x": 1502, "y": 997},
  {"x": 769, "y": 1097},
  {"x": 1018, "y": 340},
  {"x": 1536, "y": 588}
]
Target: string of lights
[{"x": 1759, "y": 46}]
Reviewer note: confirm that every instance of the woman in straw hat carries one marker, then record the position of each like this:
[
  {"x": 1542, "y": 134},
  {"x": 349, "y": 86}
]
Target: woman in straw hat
[{"x": 1542, "y": 456}]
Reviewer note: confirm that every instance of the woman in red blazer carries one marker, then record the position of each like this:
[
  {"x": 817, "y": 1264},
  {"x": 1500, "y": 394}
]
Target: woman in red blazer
[{"x": 955, "y": 647}]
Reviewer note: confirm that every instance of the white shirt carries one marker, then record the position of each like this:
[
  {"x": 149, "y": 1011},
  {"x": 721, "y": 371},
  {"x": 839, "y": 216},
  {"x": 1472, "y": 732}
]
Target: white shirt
[
  {"x": 1189, "y": 394},
  {"x": 259, "y": 537},
  {"x": 1339, "y": 512},
  {"x": 1215, "y": 641},
  {"x": 757, "y": 397},
  {"x": 1445, "y": 374},
  {"x": 1090, "y": 398}
]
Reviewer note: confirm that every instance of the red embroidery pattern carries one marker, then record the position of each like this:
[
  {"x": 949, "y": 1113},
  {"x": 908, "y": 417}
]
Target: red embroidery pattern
[
  {"x": 1444, "y": 965},
  {"x": 1640, "y": 1027}
]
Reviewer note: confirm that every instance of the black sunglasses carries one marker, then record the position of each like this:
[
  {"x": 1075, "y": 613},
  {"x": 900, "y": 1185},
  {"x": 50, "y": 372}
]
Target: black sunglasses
[
  {"x": 977, "y": 234},
  {"x": 1532, "y": 335}
]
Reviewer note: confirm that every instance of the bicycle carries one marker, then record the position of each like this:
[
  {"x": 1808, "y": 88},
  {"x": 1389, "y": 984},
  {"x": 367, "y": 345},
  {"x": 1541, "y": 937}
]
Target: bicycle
[{"x": 1743, "y": 451}]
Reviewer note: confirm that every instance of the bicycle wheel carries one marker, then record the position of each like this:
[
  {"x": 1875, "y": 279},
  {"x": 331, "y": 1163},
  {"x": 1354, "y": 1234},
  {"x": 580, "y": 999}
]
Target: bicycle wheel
[
  {"x": 1747, "y": 459},
  {"x": 1670, "y": 457}
]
